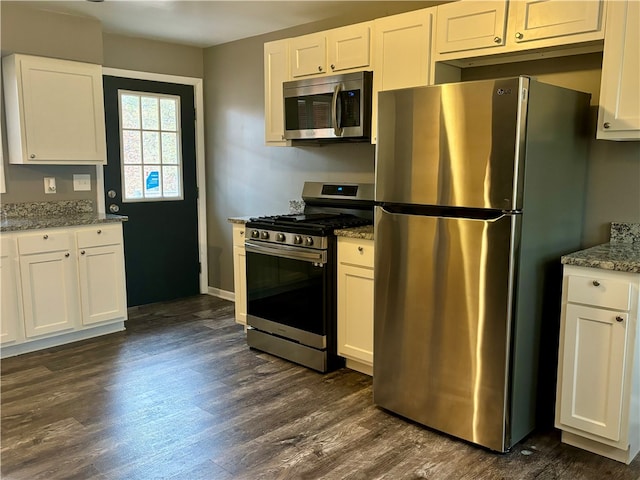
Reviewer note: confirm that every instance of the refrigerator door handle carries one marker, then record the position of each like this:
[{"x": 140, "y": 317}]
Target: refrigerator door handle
[{"x": 482, "y": 214}]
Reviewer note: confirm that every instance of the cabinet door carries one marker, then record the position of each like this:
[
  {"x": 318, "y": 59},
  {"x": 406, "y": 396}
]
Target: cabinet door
[
  {"x": 539, "y": 19},
  {"x": 50, "y": 292},
  {"x": 57, "y": 116},
  {"x": 619, "y": 111},
  {"x": 102, "y": 287},
  {"x": 276, "y": 71},
  {"x": 593, "y": 370},
  {"x": 308, "y": 55},
  {"x": 240, "y": 283},
  {"x": 402, "y": 54},
  {"x": 468, "y": 25},
  {"x": 355, "y": 313},
  {"x": 10, "y": 311},
  {"x": 349, "y": 47}
]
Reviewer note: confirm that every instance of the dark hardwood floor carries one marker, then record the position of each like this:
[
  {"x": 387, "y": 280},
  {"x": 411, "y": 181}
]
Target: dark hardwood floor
[{"x": 180, "y": 396}]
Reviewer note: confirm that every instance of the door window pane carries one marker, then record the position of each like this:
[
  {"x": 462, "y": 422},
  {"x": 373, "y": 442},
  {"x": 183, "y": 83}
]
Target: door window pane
[{"x": 150, "y": 146}]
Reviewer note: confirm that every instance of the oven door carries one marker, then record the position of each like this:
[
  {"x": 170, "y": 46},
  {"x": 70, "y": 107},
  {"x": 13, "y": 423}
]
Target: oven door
[{"x": 287, "y": 290}]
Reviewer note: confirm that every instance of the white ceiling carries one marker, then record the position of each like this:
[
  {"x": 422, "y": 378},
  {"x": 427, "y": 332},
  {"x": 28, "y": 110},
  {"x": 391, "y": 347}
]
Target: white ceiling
[{"x": 207, "y": 23}]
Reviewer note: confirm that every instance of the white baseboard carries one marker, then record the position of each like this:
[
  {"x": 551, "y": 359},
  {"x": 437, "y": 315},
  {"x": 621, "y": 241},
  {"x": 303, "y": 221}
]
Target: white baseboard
[{"x": 224, "y": 294}]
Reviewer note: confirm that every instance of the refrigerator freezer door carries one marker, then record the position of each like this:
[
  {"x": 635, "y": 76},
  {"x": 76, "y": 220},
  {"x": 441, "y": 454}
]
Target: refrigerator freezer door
[
  {"x": 443, "y": 295},
  {"x": 456, "y": 145}
]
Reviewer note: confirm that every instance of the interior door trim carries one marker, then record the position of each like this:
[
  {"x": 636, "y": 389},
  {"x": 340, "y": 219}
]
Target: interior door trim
[{"x": 200, "y": 158}]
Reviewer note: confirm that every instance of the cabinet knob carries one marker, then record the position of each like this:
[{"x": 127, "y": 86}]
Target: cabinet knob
[
  {"x": 82, "y": 252},
  {"x": 319, "y": 68},
  {"x": 596, "y": 283},
  {"x": 619, "y": 318},
  {"x": 45, "y": 236},
  {"x": 67, "y": 254},
  {"x": 606, "y": 125},
  {"x": 242, "y": 234},
  {"x": 333, "y": 67},
  {"x": 519, "y": 35},
  {"x": 33, "y": 155},
  {"x": 497, "y": 40},
  {"x": 99, "y": 232},
  {"x": 360, "y": 249}
]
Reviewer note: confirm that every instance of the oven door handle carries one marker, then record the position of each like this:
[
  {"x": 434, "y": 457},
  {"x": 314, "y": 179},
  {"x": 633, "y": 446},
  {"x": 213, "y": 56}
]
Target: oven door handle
[{"x": 284, "y": 251}]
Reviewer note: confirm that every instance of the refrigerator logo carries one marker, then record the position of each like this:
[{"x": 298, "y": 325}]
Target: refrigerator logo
[{"x": 503, "y": 91}]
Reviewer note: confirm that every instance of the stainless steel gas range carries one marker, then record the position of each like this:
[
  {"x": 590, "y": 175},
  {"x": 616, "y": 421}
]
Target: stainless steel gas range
[{"x": 291, "y": 274}]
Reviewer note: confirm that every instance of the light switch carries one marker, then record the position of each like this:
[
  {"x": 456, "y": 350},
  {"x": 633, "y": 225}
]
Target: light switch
[
  {"x": 82, "y": 182},
  {"x": 49, "y": 185}
]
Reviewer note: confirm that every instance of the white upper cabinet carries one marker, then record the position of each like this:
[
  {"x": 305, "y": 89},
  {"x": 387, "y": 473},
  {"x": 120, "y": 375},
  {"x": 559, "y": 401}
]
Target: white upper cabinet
[
  {"x": 349, "y": 48},
  {"x": 308, "y": 55},
  {"x": 619, "y": 111},
  {"x": 469, "y": 25},
  {"x": 402, "y": 58},
  {"x": 276, "y": 71},
  {"x": 338, "y": 50},
  {"x": 55, "y": 111},
  {"x": 533, "y": 20},
  {"x": 468, "y": 28}
]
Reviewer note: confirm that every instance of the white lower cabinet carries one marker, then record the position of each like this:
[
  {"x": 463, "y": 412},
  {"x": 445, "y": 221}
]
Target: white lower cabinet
[
  {"x": 61, "y": 285},
  {"x": 355, "y": 303},
  {"x": 10, "y": 298},
  {"x": 101, "y": 270},
  {"x": 598, "y": 392},
  {"x": 239, "y": 274}
]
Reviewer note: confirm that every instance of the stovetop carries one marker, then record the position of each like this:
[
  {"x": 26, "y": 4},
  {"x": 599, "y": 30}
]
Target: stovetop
[{"x": 310, "y": 221}]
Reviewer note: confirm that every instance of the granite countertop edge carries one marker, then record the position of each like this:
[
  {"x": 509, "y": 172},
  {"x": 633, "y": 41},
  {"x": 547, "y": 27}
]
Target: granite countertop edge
[
  {"x": 239, "y": 220},
  {"x": 36, "y": 223},
  {"x": 620, "y": 257},
  {"x": 365, "y": 232}
]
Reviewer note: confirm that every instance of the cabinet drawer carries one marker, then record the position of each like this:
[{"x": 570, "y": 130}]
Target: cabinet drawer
[
  {"x": 44, "y": 242},
  {"x": 600, "y": 292},
  {"x": 99, "y": 235},
  {"x": 355, "y": 251},
  {"x": 238, "y": 235}
]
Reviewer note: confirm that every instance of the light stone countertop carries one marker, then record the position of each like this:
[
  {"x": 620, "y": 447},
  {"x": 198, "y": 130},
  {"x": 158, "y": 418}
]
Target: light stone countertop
[
  {"x": 622, "y": 254},
  {"x": 239, "y": 220},
  {"x": 11, "y": 224},
  {"x": 365, "y": 232}
]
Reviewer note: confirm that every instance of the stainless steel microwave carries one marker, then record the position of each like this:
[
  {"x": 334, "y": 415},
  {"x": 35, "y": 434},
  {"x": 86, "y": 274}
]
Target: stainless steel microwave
[{"x": 329, "y": 108}]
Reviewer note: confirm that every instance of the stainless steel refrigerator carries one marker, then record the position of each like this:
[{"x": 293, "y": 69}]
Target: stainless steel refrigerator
[{"x": 479, "y": 191}]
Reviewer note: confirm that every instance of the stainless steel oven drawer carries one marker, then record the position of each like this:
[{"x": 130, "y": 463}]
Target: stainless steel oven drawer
[{"x": 295, "y": 352}]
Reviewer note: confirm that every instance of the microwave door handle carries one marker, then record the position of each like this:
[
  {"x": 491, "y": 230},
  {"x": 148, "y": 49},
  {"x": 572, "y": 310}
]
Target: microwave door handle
[{"x": 337, "y": 129}]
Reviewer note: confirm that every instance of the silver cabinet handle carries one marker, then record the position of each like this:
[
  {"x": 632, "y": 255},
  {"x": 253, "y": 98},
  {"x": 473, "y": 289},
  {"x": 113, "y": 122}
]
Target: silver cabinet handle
[
  {"x": 606, "y": 125},
  {"x": 519, "y": 35},
  {"x": 619, "y": 318},
  {"x": 497, "y": 39},
  {"x": 82, "y": 252},
  {"x": 596, "y": 283},
  {"x": 45, "y": 236}
]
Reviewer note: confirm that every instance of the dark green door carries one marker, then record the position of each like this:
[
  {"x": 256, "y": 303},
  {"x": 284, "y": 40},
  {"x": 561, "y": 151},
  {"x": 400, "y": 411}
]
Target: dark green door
[{"x": 150, "y": 176}]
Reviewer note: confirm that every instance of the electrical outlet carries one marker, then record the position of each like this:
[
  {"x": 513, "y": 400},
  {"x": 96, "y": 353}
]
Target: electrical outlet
[
  {"x": 49, "y": 185},
  {"x": 81, "y": 182}
]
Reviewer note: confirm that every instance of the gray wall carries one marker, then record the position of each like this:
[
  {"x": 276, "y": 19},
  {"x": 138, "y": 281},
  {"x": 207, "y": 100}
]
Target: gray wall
[{"x": 35, "y": 32}]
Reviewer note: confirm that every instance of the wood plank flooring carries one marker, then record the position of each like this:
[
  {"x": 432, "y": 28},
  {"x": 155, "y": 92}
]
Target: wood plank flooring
[{"x": 179, "y": 395}]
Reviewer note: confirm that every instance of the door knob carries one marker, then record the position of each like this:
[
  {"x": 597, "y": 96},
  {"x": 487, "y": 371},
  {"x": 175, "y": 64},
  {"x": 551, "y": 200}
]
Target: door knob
[
  {"x": 111, "y": 194},
  {"x": 113, "y": 208}
]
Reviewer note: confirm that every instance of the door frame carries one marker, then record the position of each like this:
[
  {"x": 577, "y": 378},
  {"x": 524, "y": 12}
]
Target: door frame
[{"x": 197, "y": 84}]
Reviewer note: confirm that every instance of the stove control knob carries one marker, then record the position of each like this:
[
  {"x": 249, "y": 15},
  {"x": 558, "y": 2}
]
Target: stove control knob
[
  {"x": 280, "y": 237},
  {"x": 297, "y": 240},
  {"x": 308, "y": 241},
  {"x": 255, "y": 234},
  {"x": 264, "y": 235}
]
